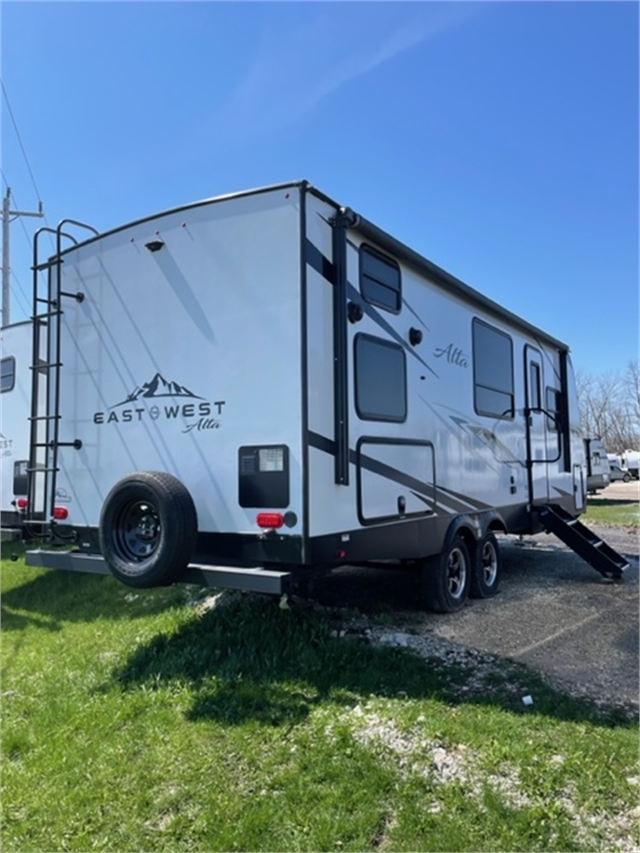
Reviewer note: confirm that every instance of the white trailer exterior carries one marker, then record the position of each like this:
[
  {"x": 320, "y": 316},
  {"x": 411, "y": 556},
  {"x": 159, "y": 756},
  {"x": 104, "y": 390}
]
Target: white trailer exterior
[
  {"x": 631, "y": 461},
  {"x": 598, "y": 468},
  {"x": 307, "y": 390},
  {"x": 15, "y": 396}
]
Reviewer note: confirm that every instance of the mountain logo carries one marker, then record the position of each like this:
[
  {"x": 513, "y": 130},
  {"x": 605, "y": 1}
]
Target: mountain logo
[
  {"x": 164, "y": 401},
  {"x": 158, "y": 387}
]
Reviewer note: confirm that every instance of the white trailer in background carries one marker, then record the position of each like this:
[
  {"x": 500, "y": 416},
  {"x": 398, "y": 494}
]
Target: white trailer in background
[
  {"x": 252, "y": 386},
  {"x": 598, "y": 468},
  {"x": 15, "y": 399},
  {"x": 631, "y": 461}
]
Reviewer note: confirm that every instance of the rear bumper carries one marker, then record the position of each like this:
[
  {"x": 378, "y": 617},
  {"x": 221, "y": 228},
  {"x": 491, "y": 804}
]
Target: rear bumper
[{"x": 253, "y": 579}]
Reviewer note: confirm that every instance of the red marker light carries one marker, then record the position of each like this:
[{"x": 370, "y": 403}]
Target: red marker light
[
  {"x": 270, "y": 520},
  {"x": 22, "y": 503},
  {"x": 60, "y": 513}
]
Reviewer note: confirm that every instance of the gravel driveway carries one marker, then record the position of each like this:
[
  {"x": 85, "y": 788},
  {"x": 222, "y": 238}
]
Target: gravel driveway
[{"x": 553, "y": 612}]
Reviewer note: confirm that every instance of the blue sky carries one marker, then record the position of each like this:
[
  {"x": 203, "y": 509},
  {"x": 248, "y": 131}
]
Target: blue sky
[{"x": 499, "y": 139}]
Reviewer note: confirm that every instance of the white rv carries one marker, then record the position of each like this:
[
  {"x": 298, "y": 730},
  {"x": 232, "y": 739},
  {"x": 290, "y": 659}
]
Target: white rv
[
  {"x": 598, "y": 468},
  {"x": 250, "y": 386},
  {"x": 15, "y": 397},
  {"x": 631, "y": 461}
]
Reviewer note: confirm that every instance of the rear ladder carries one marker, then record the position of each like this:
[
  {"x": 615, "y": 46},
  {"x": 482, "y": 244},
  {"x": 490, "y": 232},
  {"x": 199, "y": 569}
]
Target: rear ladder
[
  {"x": 44, "y": 439},
  {"x": 583, "y": 541}
]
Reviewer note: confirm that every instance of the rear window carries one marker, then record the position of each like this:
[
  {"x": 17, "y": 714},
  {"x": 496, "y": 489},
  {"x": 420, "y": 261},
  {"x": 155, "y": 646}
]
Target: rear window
[{"x": 7, "y": 374}]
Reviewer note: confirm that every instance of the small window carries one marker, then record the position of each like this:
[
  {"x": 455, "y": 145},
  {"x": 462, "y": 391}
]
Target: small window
[
  {"x": 492, "y": 371},
  {"x": 553, "y": 408},
  {"x": 380, "y": 280},
  {"x": 534, "y": 386},
  {"x": 381, "y": 379},
  {"x": 7, "y": 374}
]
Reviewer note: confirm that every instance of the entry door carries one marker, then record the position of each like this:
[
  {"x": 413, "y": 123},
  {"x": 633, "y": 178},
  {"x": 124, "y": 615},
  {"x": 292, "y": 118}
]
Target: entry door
[{"x": 535, "y": 426}]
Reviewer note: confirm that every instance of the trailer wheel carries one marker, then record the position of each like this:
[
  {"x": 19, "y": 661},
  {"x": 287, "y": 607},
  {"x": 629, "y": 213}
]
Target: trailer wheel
[
  {"x": 447, "y": 576},
  {"x": 485, "y": 576},
  {"x": 148, "y": 529}
]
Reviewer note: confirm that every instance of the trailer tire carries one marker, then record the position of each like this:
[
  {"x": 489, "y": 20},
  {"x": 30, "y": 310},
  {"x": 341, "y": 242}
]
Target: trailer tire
[
  {"x": 485, "y": 575},
  {"x": 447, "y": 577},
  {"x": 148, "y": 529}
]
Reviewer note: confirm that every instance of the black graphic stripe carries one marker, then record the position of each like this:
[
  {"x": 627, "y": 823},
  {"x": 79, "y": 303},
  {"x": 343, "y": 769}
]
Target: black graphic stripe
[
  {"x": 415, "y": 314},
  {"x": 373, "y": 465},
  {"x": 368, "y": 309},
  {"x": 426, "y": 492},
  {"x": 319, "y": 262}
]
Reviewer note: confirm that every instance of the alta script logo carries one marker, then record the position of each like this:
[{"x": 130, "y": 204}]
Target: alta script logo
[{"x": 162, "y": 400}]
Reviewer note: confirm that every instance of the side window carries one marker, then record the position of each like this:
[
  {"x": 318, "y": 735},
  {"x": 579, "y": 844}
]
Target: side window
[
  {"x": 381, "y": 379},
  {"x": 553, "y": 407},
  {"x": 380, "y": 281},
  {"x": 535, "y": 399},
  {"x": 492, "y": 371},
  {"x": 7, "y": 374}
]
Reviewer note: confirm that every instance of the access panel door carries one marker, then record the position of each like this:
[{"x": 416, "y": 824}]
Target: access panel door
[{"x": 396, "y": 479}]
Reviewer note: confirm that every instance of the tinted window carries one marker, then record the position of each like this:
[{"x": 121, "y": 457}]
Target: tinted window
[
  {"x": 492, "y": 371},
  {"x": 7, "y": 374},
  {"x": 381, "y": 379},
  {"x": 553, "y": 407},
  {"x": 379, "y": 279},
  {"x": 534, "y": 385}
]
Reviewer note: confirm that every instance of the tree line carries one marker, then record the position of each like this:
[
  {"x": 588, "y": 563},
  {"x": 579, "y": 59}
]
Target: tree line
[{"x": 610, "y": 407}]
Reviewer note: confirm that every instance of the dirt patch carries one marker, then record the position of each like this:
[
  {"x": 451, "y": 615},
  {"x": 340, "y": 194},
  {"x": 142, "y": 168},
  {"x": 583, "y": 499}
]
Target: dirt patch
[{"x": 553, "y": 613}]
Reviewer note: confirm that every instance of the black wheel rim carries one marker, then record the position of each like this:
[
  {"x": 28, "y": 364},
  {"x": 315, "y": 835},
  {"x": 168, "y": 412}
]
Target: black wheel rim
[
  {"x": 137, "y": 531},
  {"x": 489, "y": 567},
  {"x": 456, "y": 573}
]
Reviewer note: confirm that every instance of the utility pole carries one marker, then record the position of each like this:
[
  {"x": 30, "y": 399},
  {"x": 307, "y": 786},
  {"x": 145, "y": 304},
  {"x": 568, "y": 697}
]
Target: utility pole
[{"x": 7, "y": 215}]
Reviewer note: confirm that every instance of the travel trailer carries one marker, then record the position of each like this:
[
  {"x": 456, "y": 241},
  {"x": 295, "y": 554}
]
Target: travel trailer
[
  {"x": 631, "y": 461},
  {"x": 598, "y": 469},
  {"x": 253, "y": 387},
  {"x": 15, "y": 396}
]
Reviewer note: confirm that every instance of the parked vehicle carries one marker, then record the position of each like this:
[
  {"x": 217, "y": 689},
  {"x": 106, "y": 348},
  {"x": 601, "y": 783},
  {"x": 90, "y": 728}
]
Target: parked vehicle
[
  {"x": 616, "y": 474},
  {"x": 597, "y": 464},
  {"x": 251, "y": 387},
  {"x": 631, "y": 461},
  {"x": 15, "y": 391}
]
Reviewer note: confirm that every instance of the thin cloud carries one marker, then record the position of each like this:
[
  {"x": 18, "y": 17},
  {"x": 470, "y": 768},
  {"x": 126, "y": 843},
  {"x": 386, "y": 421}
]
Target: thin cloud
[{"x": 292, "y": 73}]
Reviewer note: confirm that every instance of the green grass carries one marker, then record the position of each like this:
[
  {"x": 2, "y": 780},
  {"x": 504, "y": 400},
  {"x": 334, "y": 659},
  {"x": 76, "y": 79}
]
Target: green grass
[
  {"x": 138, "y": 720},
  {"x": 617, "y": 513}
]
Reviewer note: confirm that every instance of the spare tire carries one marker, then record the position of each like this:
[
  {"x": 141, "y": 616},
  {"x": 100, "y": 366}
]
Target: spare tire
[{"x": 148, "y": 529}]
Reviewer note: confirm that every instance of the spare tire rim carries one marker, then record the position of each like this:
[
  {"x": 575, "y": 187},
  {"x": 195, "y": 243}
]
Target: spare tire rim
[{"x": 137, "y": 530}]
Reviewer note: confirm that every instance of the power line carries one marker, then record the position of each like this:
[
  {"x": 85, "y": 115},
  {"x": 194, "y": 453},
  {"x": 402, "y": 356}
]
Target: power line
[
  {"x": 19, "y": 294},
  {"x": 22, "y": 148}
]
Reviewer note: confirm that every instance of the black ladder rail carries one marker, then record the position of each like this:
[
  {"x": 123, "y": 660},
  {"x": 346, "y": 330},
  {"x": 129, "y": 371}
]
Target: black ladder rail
[
  {"x": 46, "y": 362},
  {"x": 583, "y": 541}
]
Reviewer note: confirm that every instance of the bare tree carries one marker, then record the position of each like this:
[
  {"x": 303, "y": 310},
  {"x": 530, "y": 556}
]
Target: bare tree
[{"x": 610, "y": 407}]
